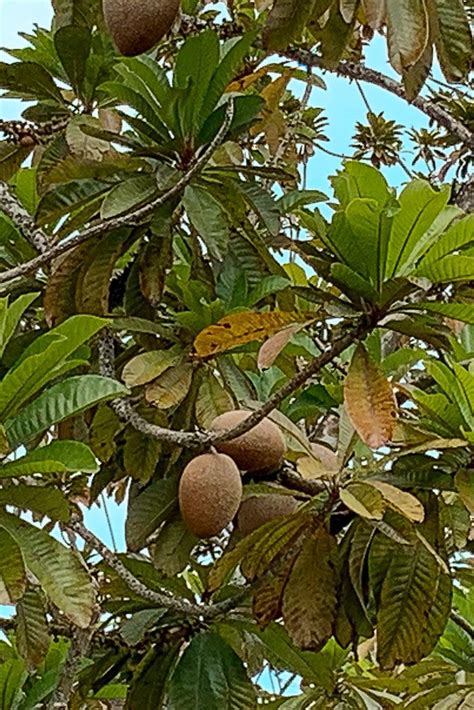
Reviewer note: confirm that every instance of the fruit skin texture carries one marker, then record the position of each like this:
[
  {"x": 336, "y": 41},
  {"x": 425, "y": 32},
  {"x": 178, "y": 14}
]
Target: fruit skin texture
[
  {"x": 258, "y": 510},
  {"x": 210, "y": 492},
  {"x": 137, "y": 25},
  {"x": 259, "y": 450}
]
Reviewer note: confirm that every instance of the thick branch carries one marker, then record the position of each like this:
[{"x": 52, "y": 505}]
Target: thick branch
[
  {"x": 181, "y": 606},
  {"x": 22, "y": 219},
  {"x": 135, "y": 215},
  {"x": 352, "y": 70},
  {"x": 197, "y": 440}
]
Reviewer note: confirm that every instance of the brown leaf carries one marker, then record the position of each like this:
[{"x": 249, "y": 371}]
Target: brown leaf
[
  {"x": 369, "y": 400},
  {"x": 268, "y": 594},
  {"x": 272, "y": 347},
  {"x": 240, "y": 328},
  {"x": 309, "y": 601}
]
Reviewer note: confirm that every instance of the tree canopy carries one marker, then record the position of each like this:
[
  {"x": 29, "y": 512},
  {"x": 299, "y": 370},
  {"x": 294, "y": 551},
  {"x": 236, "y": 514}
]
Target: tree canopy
[{"x": 164, "y": 260}]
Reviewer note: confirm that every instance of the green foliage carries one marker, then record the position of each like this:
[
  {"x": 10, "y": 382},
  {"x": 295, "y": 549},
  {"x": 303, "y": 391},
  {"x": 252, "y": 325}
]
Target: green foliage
[{"x": 116, "y": 357}]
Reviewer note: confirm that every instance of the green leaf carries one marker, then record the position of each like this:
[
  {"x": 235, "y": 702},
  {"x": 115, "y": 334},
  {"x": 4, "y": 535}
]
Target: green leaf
[
  {"x": 129, "y": 194},
  {"x": 140, "y": 455},
  {"x": 11, "y": 316},
  {"x": 29, "y": 80},
  {"x": 453, "y": 38},
  {"x": 208, "y": 219},
  {"x": 60, "y": 402},
  {"x": 286, "y": 22},
  {"x": 211, "y": 401},
  {"x": 42, "y": 360},
  {"x": 210, "y": 675},
  {"x": 43, "y": 501},
  {"x": 309, "y": 599},
  {"x": 11, "y": 158},
  {"x": 455, "y": 237},
  {"x": 32, "y": 634},
  {"x": 149, "y": 681},
  {"x": 57, "y": 457},
  {"x": 148, "y": 509},
  {"x": 295, "y": 199},
  {"x": 75, "y": 12},
  {"x": 12, "y": 677},
  {"x": 451, "y": 268},
  {"x": 73, "y": 46},
  {"x": 172, "y": 548},
  {"x": 458, "y": 311},
  {"x": 12, "y": 568},
  {"x": 236, "y": 50},
  {"x": 58, "y": 570},
  {"x": 408, "y": 32},
  {"x": 263, "y": 203},
  {"x": 414, "y": 606},
  {"x": 195, "y": 65},
  {"x": 420, "y": 205}
]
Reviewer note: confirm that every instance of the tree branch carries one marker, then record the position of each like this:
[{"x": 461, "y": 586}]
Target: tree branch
[
  {"x": 10, "y": 205},
  {"x": 181, "y": 606},
  {"x": 135, "y": 215},
  {"x": 353, "y": 70},
  {"x": 199, "y": 440}
]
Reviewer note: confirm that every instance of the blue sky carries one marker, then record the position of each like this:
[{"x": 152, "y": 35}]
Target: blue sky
[{"x": 343, "y": 108}]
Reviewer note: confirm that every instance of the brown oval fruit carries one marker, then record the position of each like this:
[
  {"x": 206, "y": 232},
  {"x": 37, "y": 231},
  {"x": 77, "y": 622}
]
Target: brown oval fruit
[
  {"x": 210, "y": 491},
  {"x": 137, "y": 25},
  {"x": 259, "y": 450},
  {"x": 258, "y": 510}
]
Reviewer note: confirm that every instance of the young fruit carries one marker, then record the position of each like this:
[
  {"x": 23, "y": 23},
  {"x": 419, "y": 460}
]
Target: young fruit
[
  {"x": 259, "y": 450},
  {"x": 137, "y": 25},
  {"x": 258, "y": 510},
  {"x": 210, "y": 491}
]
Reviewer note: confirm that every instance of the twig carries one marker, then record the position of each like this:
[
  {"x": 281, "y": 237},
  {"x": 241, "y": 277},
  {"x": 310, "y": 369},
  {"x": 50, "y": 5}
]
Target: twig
[
  {"x": 463, "y": 623},
  {"x": 78, "y": 649},
  {"x": 135, "y": 215},
  {"x": 352, "y": 70},
  {"x": 10, "y": 205}
]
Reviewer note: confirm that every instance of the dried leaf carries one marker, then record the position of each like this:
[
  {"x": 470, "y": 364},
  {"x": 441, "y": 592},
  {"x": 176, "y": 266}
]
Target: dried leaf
[
  {"x": 148, "y": 366},
  {"x": 309, "y": 601},
  {"x": 369, "y": 400},
  {"x": 272, "y": 347},
  {"x": 240, "y": 328}
]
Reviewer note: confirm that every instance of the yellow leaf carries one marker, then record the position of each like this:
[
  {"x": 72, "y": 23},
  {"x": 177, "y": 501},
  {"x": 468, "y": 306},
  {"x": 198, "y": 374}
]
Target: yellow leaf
[
  {"x": 170, "y": 388},
  {"x": 364, "y": 500},
  {"x": 322, "y": 464},
  {"x": 369, "y": 400},
  {"x": 240, "y": 328},
  {"x": 400, "y": 501}
]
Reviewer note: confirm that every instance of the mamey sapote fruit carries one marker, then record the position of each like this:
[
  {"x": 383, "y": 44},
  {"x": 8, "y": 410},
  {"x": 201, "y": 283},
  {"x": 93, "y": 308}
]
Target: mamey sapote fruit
[
  {"x": 258, "y": 510},
  {"x": 210, "y": 491},
  {"x": 261, "y": 449},
  {"x": 137, "y": 25}
]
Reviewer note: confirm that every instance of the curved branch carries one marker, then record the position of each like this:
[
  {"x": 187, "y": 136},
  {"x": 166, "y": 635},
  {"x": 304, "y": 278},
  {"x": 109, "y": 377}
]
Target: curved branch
[
  {"x": 135, "y": 215},
  {"x": 352, "y": 70},
  {"x": 199, "y": 440},
  {"x": 181, "y": 606}
]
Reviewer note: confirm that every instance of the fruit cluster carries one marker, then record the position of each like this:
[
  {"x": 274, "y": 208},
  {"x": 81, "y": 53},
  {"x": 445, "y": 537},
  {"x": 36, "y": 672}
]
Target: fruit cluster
[{"x": 210, "y": 489}]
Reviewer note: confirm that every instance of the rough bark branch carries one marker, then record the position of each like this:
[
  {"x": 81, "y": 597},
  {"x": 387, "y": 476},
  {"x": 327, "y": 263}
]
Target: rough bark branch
[
  {"x": 353, "y": 70},
  {"x": 181, "y": 606},
  {"x": 10, "y": 205},
  {"x": 135, "y": 215},
  {"x": 199, "y": 440}
]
